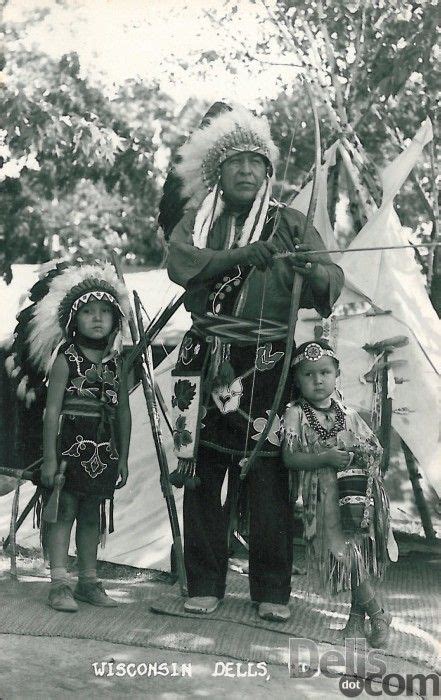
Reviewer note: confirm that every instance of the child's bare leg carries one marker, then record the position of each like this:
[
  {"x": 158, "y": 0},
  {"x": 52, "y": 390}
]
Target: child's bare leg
[
  {"x": 57, "y": 542},
  {"x": 354, "y": 628},
  {"x": 365, "y": 597},
  {"x": 58, "y": 537},
  {"x": 87, "y": 538},
  {"x": 89, "y": 589},
  {"x": 355, "y": 625}
]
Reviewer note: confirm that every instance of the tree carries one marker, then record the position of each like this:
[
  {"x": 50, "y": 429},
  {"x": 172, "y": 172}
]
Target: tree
[
  {"x": 73, "y": 164},
  {"x": 372, "y": 67}
]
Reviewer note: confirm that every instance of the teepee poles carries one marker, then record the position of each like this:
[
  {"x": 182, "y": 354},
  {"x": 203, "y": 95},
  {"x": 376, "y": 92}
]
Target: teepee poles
[
  {"x": 149, "y": 393},
  {"x": 420, "y": 500},
  {"x": 147, "y": 380}
]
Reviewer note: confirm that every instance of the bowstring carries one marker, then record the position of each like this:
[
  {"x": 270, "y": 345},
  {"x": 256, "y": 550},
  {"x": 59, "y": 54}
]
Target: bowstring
[{"x": 262, "y": 303}]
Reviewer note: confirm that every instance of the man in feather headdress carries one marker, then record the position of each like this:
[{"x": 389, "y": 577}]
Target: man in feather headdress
[{"x": 225, "y": 230}]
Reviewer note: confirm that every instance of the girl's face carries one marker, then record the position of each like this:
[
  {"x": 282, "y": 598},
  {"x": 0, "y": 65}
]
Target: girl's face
[
  {"x": 316, "y": 380},
  {"x": 95, "y": 319}
]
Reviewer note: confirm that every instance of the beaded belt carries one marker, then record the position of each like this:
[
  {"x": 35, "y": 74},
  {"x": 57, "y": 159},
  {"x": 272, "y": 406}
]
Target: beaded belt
[
  {"x": 83, "y": 406},
  {"x": 92, "y": 408},
  {"x": 231, "y": 329}
]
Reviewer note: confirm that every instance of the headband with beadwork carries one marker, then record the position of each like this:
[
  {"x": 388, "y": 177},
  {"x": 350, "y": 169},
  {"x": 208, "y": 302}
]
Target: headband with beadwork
[{"x": 314, "y": 352}]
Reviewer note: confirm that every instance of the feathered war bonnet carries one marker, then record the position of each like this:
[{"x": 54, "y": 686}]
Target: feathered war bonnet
[
  {"x": 222, "y": 135},
  {"x": 49, "y": 319}
]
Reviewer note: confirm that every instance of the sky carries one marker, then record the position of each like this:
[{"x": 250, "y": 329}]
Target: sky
[{"x": 121, "y": 39}]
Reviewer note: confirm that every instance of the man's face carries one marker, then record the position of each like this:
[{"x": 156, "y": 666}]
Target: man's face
[{"x": 242, "y": 176}]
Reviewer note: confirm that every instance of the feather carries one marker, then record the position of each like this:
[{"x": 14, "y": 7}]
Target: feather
[
  {"x": 10, "y": 364},
  {"x": 45, "y": 331},
  {"x": 15, "y": 372},
  {"x": 207, "y": 148},
  {"x": 39, "y": 327},
  {"x": 21, "y": 389}
]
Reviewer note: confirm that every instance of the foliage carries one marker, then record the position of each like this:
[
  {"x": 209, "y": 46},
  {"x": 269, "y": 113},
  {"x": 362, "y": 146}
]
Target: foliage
[
  {"x": 74, "y": 166},
  {"x": 372, "y": 65},
  {"x": 89, "y": 169}
]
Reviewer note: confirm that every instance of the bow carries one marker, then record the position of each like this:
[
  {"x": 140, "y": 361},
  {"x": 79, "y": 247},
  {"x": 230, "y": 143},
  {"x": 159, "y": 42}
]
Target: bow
[{"x": 248, "y": 463}]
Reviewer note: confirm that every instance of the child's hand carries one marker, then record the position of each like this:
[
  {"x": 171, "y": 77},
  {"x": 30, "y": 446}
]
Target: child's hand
[
  {"x": 337, "y": 459},
  {"x": 48, "y": 471},
  {"x": 123, "y": 473}
]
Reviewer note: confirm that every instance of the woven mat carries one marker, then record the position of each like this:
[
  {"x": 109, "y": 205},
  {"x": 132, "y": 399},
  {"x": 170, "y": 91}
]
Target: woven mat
[
  {"x": 234, "y": 630},
  {"x": 410, "y": 591}
]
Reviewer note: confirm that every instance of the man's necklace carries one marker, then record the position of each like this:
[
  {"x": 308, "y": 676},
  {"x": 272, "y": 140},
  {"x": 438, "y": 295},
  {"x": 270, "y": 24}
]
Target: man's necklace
[{"x": 322, "y": 432}]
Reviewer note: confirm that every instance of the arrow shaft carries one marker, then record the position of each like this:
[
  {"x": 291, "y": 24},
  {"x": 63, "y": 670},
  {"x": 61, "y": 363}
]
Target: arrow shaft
[{"x": 288, "y": 254}]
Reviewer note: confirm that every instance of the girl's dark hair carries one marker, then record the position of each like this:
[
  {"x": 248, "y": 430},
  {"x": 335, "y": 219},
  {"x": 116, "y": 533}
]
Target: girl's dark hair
[{"x": 295, "y": 393}]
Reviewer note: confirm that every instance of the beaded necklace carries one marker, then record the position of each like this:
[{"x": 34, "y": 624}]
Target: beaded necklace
[{"x": 313, "y": 421}]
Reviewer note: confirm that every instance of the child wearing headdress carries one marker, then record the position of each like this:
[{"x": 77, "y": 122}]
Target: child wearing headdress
[
  {"x": 346, "y": 509},
  {"x": 76, "y": 329}
]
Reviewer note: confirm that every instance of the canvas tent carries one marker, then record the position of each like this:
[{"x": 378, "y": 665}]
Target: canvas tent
[{"x": 389, "y": 281}]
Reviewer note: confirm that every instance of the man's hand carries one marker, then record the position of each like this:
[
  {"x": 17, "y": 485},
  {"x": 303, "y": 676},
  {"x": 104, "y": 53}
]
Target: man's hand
[
  {"x": 259, "y": 254},
  {"x": 48, "y": 471},
  {"x": 309, "y": 266},
  {"x": 123, "y": 473}
]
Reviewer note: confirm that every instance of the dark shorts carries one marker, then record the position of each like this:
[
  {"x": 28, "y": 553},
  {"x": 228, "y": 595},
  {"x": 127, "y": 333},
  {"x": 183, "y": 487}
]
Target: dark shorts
[{"x": 73, "y": 505}]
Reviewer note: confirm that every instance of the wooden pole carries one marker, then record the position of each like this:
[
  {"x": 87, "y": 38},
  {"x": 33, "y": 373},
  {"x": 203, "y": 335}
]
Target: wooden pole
[
  {"x": 147, "y": 385},
  {"x": 26, "y": 510},
  {"x": 147, "y": 381},
  {"x": 420, "y": 500},
  {"x": 386, "y": 414}
]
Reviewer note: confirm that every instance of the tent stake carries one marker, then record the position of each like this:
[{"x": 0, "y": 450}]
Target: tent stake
[
  {"x": 387, "y": 346},
  {"x": 386, "y": 413}
]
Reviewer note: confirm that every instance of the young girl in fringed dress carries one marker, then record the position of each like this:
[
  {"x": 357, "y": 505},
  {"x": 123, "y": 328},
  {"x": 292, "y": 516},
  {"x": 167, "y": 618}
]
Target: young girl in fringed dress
[{"x": 346, "y": 509}]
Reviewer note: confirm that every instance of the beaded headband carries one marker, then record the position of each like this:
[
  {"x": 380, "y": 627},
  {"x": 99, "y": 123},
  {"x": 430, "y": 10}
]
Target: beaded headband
[
  {"x": 66, "y": 292},
  {"x": 238, "y": 141},
  {"x": 94, "y": 294},
  {"x": 314, "y": 352}
]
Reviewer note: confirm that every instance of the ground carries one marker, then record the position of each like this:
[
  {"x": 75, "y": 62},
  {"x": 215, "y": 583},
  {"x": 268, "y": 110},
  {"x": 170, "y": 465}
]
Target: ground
[
  {"x": 56, "y": 667},
  {"x": 28, "y": 670},
  {"x": 48, "y": 667}
]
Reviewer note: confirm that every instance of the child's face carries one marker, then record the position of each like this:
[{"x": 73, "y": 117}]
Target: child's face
[
  {"x": 316, "y": 380},
  {"x": 95, "y": 319}
]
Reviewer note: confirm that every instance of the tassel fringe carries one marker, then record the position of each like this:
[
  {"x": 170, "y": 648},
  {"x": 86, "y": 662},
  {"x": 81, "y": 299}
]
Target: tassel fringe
[
  {"x": 361, "y": 561},
  {"x": 10, "y": 364},
  {"x": 185, "y": 475}
]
